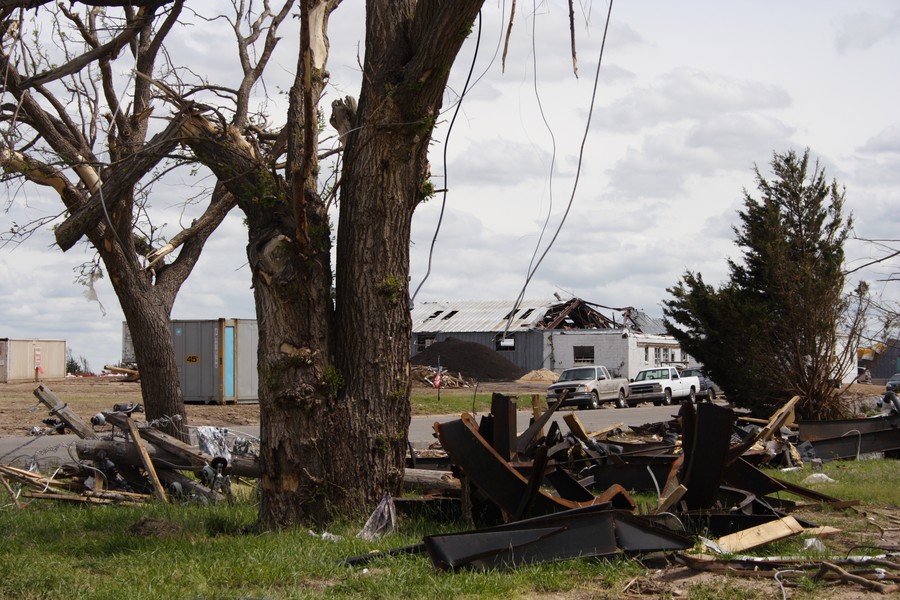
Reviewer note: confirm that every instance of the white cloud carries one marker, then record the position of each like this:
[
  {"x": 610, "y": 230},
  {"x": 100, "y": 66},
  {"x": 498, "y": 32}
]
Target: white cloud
[
  {"x": 690, "y": 97},
  {"x": 862, "y": 31}
]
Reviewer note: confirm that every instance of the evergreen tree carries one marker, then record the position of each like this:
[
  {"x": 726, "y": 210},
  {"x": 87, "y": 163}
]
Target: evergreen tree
[{"x": 772, "y": 330}]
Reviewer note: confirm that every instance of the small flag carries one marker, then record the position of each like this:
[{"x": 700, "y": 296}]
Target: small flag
[{"x": 437, "y": 378}]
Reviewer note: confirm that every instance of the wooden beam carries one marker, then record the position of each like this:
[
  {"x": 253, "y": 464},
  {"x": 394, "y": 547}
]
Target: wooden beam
[
  {"x": 121, "y": 452},
  {"x": 158, "y": 489},
  {"x": 57, "y": 408}
]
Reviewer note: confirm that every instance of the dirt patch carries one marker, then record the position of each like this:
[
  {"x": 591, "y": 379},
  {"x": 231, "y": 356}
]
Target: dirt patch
[
  {"x": 157, "y": 528},
  {"x": 540, "y": 376},
  {"x": 20, "y": 410}
]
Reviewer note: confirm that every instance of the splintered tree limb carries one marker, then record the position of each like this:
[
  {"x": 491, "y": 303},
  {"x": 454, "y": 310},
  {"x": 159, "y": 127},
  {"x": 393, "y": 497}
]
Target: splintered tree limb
[
  {"x": 220, "y": 205},
  {"x": 122, "y": 178},
  {"x": 39, "y": 173},
  {"x": 849, "y": 577}
]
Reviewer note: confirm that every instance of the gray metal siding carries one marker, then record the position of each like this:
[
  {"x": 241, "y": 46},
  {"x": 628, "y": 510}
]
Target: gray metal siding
[
  {"x": 246, "y": 345},
  {"x": 197, "y": 357},
  {"x": 528, "y": 355}
]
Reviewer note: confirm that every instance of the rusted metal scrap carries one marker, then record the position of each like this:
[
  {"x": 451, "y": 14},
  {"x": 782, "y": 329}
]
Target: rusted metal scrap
[
  {"x": 849, "y": 438},
  {"x": 506, "y": 487}
]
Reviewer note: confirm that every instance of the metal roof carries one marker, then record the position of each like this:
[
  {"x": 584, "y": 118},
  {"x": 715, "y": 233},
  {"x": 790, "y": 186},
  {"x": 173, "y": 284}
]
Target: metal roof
[
  {"x": 457, "y": 316},
  {"x": 469, "y": 315}
]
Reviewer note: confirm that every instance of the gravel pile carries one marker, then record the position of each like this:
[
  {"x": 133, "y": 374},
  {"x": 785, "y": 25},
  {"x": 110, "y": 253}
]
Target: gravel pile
[{"x": 469, "y": 358}]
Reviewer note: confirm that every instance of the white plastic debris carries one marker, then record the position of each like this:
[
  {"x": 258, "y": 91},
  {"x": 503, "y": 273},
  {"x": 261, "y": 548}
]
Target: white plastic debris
[
  {"x": 382, "y": 520},
  {"x": 819, "y": 478},
  {"x": 214, "y": 441},
  {"x": 814, "y": 544}
]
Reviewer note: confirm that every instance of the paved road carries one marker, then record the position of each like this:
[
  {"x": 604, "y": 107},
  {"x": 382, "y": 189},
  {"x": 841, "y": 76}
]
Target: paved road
[
  {"x": 54, "y": 449},
  {"x": 421, "y": 429}
]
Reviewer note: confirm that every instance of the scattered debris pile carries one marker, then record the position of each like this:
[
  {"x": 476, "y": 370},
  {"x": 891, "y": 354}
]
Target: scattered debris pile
[
  {"x": 470, "y": 359},
  {"x": 448, "y": 379},
  {"x": 550, "y": 493}
]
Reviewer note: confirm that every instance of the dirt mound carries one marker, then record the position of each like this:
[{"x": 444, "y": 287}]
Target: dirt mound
[
  {"x": 469, "y": 358},
  {"x": 540, "y": 375}
]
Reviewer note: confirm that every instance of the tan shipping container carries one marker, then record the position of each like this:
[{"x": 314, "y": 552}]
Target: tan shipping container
[{"x": 32, "y": 360}]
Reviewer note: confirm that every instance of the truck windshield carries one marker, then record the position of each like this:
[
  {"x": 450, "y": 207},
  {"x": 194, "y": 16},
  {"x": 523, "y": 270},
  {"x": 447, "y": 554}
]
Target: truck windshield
[
  {"x": 651, "y": 374},
  {"x": 576, "y": 374}
]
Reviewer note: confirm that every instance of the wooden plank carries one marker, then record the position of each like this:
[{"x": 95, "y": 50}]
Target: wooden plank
[
  {"x": 760, "y": 535},
  {"x": 12, "y": 493},
  {"x": 576, "y": 427},
  {"x": 667, "y": 502},
  {"x": 430, "y": 479},
  {"x": 57, "y": 408},
  {"x": 166, "y": 442},
  {"x": 158, "y": 489}
]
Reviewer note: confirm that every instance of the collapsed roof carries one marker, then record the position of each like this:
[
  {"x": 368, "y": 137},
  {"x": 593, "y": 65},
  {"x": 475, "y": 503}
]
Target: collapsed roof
[{"x": 527, "y": 315}]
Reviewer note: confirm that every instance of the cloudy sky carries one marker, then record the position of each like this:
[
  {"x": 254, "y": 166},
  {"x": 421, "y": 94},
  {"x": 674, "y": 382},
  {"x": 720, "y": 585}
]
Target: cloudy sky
[{"x": 690, "y": 96}]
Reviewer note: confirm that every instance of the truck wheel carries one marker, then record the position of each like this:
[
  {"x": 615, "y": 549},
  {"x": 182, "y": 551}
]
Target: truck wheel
[
  {"x": 667, "y": 397},
  {"x": 711, "y": 395},
  {"x": 595, "y": 401},
  {"x": 693, "y": 396},
  {"x": 620, "y": 400}
]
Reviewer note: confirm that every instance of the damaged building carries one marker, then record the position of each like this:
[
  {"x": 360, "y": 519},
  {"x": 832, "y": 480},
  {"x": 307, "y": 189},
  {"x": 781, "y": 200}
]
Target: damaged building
[{"x": 551, "y": 334}]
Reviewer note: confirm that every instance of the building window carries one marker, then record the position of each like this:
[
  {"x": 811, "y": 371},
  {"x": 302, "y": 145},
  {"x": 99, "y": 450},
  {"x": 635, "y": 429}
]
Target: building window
[
  {"x": 584, "y": 355},
  {"x": 423, "y": 340},
  {"x": 663, "y": 355},
  {"x": 505, "y": 344},
  {"x": 646, "y": 354}
]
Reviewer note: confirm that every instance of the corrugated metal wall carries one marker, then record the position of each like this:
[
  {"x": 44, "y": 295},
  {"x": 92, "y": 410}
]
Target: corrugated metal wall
[
  {"x": 32, "y": 360},
  {"x": 887, "y": 362},
  {"x": 197, "y": 356},
  {"x": 245, "y": 358},
  {"x": 216, "y": 358}
]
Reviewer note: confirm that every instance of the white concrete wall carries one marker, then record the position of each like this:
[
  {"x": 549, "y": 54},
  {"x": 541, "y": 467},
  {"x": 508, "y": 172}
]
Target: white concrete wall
[{"x": 622, "y": 353}]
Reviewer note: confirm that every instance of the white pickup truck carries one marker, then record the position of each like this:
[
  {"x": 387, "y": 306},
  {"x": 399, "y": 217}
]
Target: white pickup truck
[
  {"x": 662, "y": 385},
  {"x": 588, "y": 386}
]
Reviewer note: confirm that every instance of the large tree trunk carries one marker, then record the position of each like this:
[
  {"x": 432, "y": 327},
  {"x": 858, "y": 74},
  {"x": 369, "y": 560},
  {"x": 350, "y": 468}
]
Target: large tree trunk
[
  {"x": 154, "y": 350},
  {"x": 334, "y": 385},
  {"x": 336, "y": 449}
]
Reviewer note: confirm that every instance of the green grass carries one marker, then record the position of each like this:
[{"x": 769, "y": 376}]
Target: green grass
[
  {"x": 457, "y": 401},
  {"x": 872, "y": 482},
  {"x": 66, "y": 551},
  {"x": 57, "y": 550}
]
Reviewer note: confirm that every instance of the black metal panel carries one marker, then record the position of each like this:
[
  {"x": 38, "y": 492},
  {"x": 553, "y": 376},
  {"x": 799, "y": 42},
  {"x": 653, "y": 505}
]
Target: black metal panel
[
  {"x": 579, "y": 533},
  {"x": 821, "y": 430}
]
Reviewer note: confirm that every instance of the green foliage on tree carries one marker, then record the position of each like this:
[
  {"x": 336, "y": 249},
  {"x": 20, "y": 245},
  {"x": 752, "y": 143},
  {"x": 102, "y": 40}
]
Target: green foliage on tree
[
  {"x": 780, "y": 326},
  {"x": 76, "y": 365}
]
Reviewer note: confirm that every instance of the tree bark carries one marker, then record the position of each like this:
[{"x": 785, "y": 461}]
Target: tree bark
[{"x": 334, "y": 439}]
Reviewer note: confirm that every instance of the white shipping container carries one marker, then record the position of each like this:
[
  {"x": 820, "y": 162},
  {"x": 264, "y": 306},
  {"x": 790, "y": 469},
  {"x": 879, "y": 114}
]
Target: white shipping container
[{"x": 32, "y": 360}]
